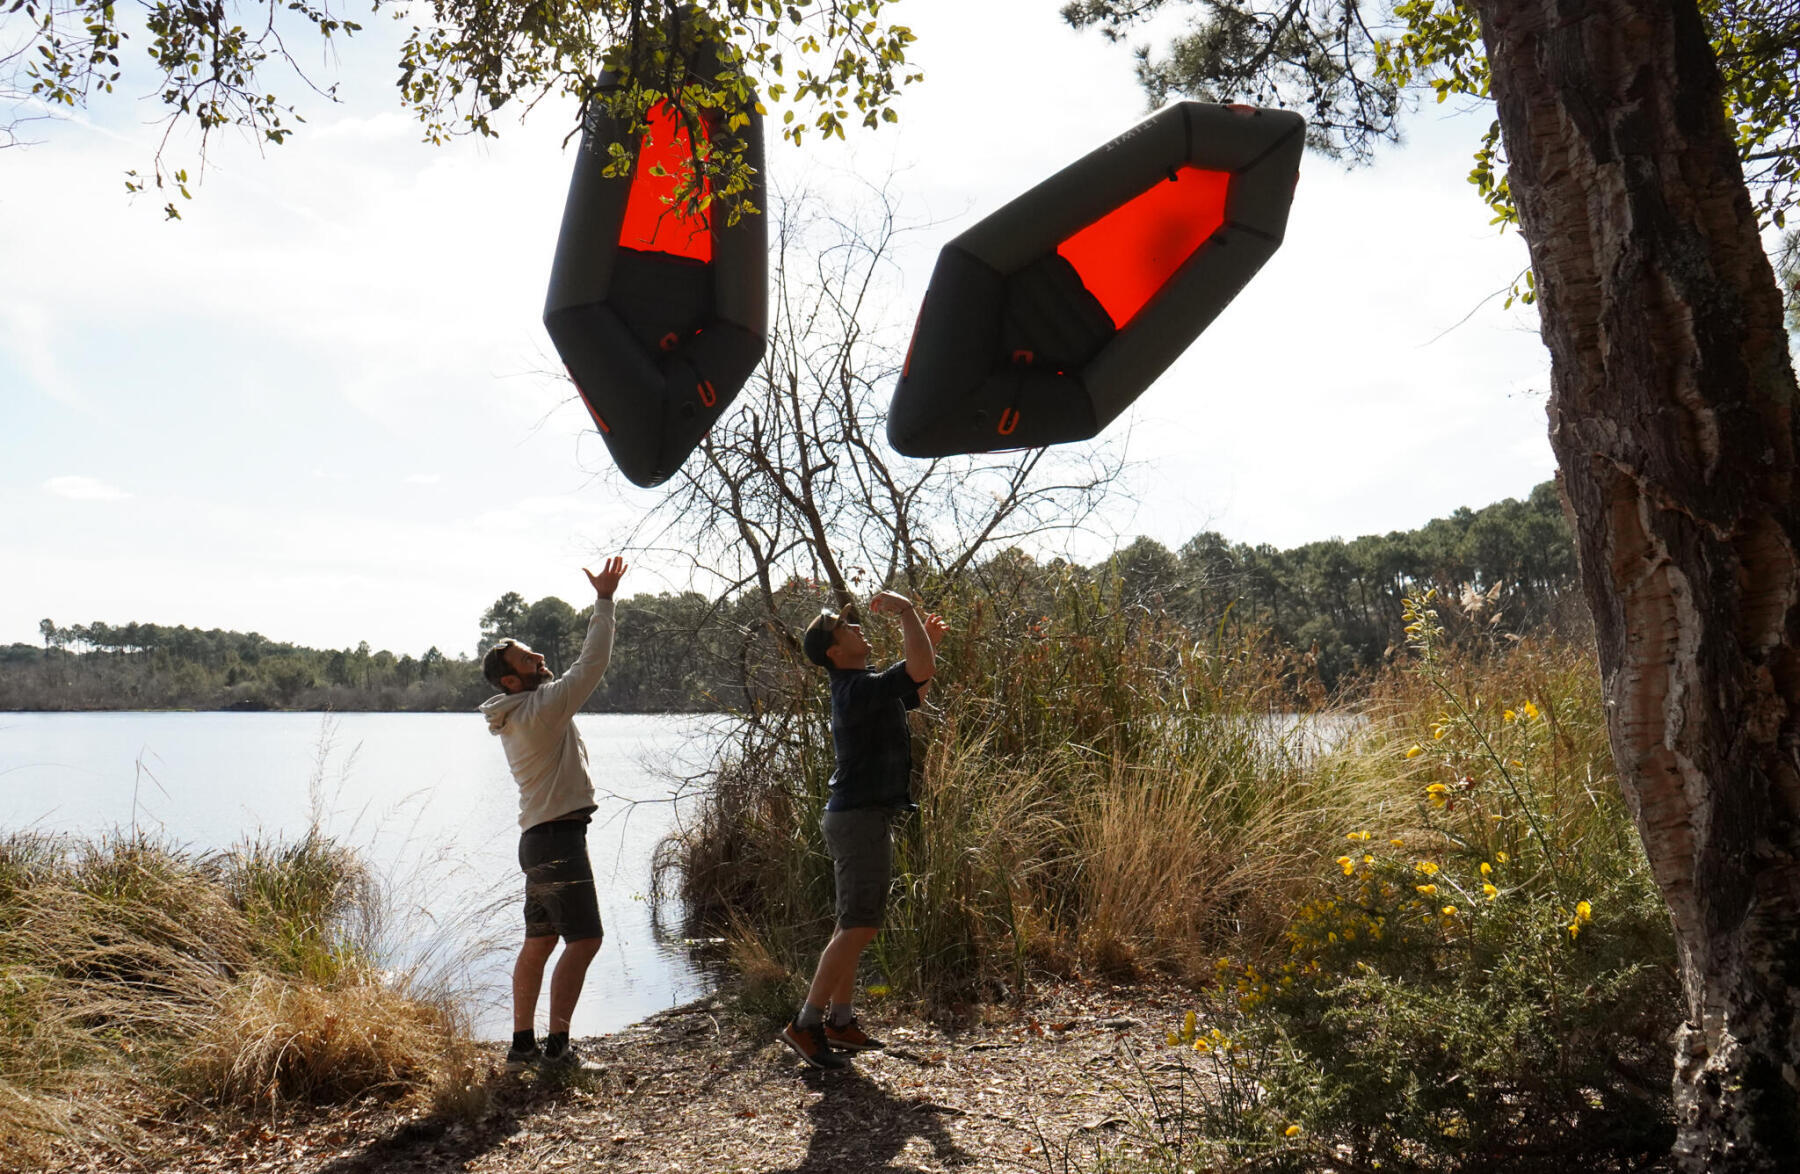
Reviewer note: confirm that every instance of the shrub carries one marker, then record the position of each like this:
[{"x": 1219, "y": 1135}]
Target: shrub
[
  {"x": 134, "y": 972},
  {"x": 1485, "y": 980},
  {"x": 274, "y": 1040},
  {"x": 1097, "y": 785}
]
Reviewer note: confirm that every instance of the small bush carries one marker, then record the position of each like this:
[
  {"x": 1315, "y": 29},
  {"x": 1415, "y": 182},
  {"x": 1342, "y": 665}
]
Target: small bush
[
  {"x": 306, "y": 903},
  {"x": 134, "y": 972},
  {"x": 1486, "y": 980},
  {"x": 275, "y": 1040}
]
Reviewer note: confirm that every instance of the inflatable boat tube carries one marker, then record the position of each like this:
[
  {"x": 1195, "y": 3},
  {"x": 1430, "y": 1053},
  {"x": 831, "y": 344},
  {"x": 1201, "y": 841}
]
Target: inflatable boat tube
[
  {"x": 1048, "y": 318},
  {"x": 658, "y": 317}
]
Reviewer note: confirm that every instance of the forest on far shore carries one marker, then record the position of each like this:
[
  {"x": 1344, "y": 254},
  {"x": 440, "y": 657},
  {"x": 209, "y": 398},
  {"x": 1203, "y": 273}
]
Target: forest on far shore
[{"x": 1336, "y": 603}]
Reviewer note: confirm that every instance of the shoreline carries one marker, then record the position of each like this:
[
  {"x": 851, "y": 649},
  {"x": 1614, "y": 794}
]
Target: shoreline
[
  {"x": 706, "y": 1087},
  {"x": 383, "y": 712}
]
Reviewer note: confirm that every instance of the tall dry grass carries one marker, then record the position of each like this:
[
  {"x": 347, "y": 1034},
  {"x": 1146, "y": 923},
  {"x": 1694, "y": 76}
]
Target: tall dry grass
[
  {"x": 1099, "y": 788},
  {"x": 1482, "y": 978},
  {"x": 136, "y": 974}
]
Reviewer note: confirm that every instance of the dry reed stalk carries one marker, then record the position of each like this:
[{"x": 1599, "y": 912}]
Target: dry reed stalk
[{"x": 134, "y": 973}]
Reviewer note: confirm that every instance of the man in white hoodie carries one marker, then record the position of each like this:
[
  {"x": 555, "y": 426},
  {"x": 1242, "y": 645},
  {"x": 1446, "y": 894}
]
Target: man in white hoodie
[{"x": 534, "y": 717}]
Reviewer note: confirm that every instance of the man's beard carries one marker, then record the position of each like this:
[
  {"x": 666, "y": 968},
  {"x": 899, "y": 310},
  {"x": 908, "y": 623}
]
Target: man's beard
[{"x": 544, "y": 677}]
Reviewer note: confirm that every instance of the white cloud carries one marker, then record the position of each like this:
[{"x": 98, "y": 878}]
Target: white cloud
[
  {"x": 78, "y": 488},
  {"x": 423, "y": 479}
]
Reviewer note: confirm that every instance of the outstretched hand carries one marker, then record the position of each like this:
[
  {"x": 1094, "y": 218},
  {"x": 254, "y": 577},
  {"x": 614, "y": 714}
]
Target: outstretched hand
[
  {"x": 607, "y": 581},
  {"x": 889, "y": 601},
  {"x": 935, "y": 627}
]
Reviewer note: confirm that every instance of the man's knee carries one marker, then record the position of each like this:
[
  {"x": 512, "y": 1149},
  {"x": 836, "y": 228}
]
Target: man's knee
[
  {"x": 538, "y": 947},
  {"x": 588, "y": 946}
]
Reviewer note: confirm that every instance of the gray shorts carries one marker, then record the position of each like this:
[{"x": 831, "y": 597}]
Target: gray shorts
[
  {"x": 861, "y": 844},
  {"x": 559, "y": 881}
]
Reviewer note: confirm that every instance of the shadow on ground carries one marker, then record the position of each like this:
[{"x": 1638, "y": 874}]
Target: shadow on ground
[
  {"x": 860, "y": 1126},
  {"x": 450, "y": 1142}
]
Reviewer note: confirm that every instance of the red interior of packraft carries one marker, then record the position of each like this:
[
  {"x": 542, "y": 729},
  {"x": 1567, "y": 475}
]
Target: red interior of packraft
[
  {"x": 652, "y": 224},
  {"x": 1125, "y": 256}
]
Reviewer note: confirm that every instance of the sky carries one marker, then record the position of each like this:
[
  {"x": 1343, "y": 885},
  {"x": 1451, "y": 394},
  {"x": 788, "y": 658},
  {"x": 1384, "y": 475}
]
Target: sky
[{"x": 322, "y": 406}]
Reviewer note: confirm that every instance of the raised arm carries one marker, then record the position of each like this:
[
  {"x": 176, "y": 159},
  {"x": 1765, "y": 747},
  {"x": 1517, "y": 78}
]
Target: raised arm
[
  {"x": 921, "y": 655},
  {"x": 564, "y": 697},
  {"x": 935, "y": 628}
]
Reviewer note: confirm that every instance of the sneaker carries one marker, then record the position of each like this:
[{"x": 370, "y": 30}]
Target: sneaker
[
  {"x": 851, "y": 1037},
  {"x": 809, "y": 1044},
  {"x": 519, "y": 1059},
  {"x": 567, "y": 1060}
]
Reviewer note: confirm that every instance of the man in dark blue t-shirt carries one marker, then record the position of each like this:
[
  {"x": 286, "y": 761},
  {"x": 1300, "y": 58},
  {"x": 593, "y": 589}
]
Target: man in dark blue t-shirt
[{"x": 870, "y": 786}]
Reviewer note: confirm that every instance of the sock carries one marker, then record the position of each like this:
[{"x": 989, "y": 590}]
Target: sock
[
  {"x": 810, "y": 1016},
  {"x": 841, "y": 1014},
  {"x": 555, "y": 1043},
  {"x": 524, "y": 1041}
]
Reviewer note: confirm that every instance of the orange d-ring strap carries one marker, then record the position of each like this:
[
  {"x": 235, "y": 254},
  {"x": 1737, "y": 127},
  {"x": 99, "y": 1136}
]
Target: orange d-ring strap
[
  {"x": 1009, "y": 419},
  {"x": 708, "y": 396},
  {"x": 601, "y": 424}
]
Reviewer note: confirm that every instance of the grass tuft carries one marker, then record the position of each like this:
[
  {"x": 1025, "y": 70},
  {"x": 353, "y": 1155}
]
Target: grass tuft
[{"x": 135, "y": 974}]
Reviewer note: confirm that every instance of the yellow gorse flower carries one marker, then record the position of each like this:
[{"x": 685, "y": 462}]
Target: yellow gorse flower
[
  {"x": 1398, "y": 843},
  {"x": 1501, "y": 857},
  {"x": 1428, "y": 890},
  {"x": 1486, "y": 868},
  {"x": 1583, "y": 911},
  {"x": 1359, "y": 837},
  {"x": 1291, "y": 1131},
  {"x": 1531, "y": 711},
  {"x": 1436, "y": 792},
  {"x": 1509, "y": 716},
  {"x": 1414, "y": 751},
  {"x": 1449, "y": 911},
  {"x": 1347, "y": 864},
  {"x": 1426, "y": 867},
  {"x": 1491, "y": 891}
]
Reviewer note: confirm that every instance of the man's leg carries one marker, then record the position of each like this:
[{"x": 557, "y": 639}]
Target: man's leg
[
  {"x": 566, "y": 979},
  {"x": 841, "y": 1028},
  {"x": 528, "y": 979},
  {"x": 805, "y": 1034},
  {"x": 835, "y": 978}
]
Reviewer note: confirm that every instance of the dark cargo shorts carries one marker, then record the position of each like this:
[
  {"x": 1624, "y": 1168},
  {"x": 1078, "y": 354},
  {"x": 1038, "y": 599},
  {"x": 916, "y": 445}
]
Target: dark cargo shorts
[
  {"x": 861, "y": 844},
  {"x": 559, "y": 881}
]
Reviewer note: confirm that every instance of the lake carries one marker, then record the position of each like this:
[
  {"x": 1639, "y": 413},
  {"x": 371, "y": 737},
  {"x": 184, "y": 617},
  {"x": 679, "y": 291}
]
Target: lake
[{"x": 428, "y": 800}]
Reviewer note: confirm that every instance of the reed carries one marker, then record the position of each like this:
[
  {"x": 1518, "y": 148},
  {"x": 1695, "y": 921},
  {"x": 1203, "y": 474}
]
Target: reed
[
  {"x": 137, "y": 975},
  {"x": 1099, "y": 787}
]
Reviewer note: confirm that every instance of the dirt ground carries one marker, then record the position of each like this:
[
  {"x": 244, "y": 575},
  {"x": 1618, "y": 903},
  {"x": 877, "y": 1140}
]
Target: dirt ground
[{"x": 1044, "y": 1086}]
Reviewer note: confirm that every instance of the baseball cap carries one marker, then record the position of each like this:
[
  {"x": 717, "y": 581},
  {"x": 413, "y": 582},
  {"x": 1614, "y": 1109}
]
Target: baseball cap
[{"x": 820, "y": 634}]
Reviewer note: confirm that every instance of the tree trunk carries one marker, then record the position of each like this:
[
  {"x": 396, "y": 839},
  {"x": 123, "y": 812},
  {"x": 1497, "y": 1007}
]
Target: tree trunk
[{"x": 1672, "y": 417}]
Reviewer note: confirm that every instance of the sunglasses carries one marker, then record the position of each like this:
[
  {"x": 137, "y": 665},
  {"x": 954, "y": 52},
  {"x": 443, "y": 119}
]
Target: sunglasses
[{"x": 831, "y": 621}]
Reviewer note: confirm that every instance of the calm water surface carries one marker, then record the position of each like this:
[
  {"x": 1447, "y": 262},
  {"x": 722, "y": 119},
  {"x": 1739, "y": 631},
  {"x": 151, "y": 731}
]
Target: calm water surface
[{"x": 428, "y": 800}]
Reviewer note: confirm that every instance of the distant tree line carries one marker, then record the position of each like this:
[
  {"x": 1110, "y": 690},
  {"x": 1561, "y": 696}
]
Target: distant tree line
[
  {"x": 1512, "y": 563},
  {"x": 1335, "y": 602},
  {"x": 157, "y": 666}
]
